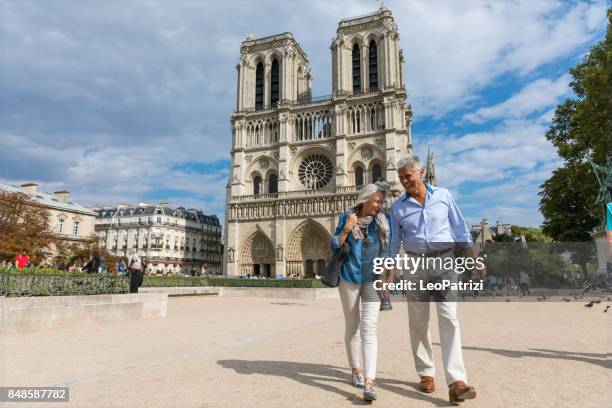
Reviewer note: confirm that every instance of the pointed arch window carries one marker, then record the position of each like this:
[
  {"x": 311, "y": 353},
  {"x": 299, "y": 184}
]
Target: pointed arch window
[
  {"x": 259, "y": 86},
  {"x": 359, "y": 176},
  {"x": 373, "y": 66},
  {"x": 273, "y": 184},
  {"x": 356, "y": 69},
  {"x": 274, "y": 83},
  {"x": 257, "y": 185},
  {"x": 376, "y": 173}
]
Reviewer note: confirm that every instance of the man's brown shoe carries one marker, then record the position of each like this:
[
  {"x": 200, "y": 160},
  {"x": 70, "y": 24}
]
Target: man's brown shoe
[
  {"x": 427, "y": 384},
  {"x": 459, "y": 391}
]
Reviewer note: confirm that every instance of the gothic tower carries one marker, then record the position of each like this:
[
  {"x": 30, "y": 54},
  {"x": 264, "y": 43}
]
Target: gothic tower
[
  {"x": 430, "y": 172},
  {"x": 298, "y": 161}
]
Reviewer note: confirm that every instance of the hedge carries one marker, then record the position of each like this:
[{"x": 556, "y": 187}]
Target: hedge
[
  {"x": 53, "y": 282},
  {"x": 165, "y": 281},
  {"x": 49, "y": 282}
]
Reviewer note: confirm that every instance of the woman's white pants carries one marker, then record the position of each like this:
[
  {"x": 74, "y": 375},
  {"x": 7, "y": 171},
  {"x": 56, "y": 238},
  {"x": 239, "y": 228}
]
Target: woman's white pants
[{"x": 364, "y": 322}]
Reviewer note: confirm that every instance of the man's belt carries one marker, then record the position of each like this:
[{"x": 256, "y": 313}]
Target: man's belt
[{"x": 432, "y": 254}]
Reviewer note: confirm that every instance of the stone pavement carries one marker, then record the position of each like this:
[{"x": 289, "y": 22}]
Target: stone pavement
[{"x": 259, "y": 352}]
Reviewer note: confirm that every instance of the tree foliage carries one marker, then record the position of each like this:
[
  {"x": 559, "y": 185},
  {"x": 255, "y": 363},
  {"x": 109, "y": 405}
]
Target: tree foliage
[
  {"x": 24, "y": 226},
  {"x": 581, "y": 130}
]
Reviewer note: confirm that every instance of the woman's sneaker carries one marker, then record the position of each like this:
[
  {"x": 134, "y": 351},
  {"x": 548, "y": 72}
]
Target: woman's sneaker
[
  {"x": 358, "y": 380},
  {"x": 385, "y": 304},
  {"x": 385, "y": 301},
  {"x": 369, "y": 392}
]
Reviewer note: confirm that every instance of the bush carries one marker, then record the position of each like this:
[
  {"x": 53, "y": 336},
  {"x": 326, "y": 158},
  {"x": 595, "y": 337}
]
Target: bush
[
  {"x": 166, "y": 281},
  {"x": 244, "y": 282},
  {"x": 50, "y": 282}
]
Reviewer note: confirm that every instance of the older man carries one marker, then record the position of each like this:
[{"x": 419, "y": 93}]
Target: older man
[{"x": 428, "y": 222}]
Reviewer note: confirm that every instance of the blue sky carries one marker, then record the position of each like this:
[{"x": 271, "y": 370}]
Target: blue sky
[{"x": 131, "y": 101}]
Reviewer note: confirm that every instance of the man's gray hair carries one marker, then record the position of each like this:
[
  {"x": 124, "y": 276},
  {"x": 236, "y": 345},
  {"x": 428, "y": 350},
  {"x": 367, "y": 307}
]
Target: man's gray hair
[{"x": 411, "y": 160}]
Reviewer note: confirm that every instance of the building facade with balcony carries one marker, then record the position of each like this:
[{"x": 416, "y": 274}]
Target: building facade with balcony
[
  {"x": 299, "y": 161},
  {"x": 70, "y": 222},
  {"x": 170, "y": 240}
]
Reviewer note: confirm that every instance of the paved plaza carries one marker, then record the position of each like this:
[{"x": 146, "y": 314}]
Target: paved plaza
[{"x": 260, "y": 352}]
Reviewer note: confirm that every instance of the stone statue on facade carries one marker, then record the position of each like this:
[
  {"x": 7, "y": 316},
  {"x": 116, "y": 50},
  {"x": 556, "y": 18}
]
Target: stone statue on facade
[{"x": 279, "y": 252}]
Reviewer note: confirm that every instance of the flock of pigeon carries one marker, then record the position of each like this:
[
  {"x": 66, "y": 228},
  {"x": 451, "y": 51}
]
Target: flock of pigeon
[{"x": 567, "y": 298}]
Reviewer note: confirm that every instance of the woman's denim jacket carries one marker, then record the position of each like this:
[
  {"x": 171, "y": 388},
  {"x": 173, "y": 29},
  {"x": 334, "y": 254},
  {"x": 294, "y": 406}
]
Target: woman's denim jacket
[{"x": 359, "y": 265}]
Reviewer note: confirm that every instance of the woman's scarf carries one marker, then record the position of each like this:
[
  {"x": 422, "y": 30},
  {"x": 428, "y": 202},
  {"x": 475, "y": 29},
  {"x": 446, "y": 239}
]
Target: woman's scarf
[{"x": 364, "y": 222}]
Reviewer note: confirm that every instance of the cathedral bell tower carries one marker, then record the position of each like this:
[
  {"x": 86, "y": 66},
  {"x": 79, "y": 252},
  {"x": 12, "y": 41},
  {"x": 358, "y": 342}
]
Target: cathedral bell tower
[{"x": 299, "y": 161}]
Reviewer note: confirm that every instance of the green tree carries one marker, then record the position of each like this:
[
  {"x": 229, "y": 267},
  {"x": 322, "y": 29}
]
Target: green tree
[
  {"x": 530, "y": 234},
  {"x": 24, "y": 226},
  {"x": 581, "y": 130}
]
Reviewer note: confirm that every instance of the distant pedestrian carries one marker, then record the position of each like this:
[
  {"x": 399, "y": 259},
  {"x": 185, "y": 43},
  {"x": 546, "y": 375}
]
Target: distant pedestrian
[
  {"x": 22, "y": 260},
  {"x": 491, "y": 282},
  {"x": 122, "y": 267},
  {"x": 93, "y": 265},
  {"x": 135, "y": 268},
  {"x": 102, "y": 266},
  {"x": 524, "y": 283}
]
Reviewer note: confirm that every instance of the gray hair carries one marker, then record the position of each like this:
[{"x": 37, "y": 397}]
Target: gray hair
[
  {"x": 411, "y": 160},
  {"x": 367, "y": 192}
]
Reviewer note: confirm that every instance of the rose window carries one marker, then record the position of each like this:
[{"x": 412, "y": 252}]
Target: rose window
[{"x": 315, "y": 171}]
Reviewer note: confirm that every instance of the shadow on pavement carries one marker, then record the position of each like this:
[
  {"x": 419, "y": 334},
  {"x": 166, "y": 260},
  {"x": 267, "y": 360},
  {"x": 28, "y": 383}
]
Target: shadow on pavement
[
  {"x": 325, "y": 377},
  {"x": 545, "y": 353}
]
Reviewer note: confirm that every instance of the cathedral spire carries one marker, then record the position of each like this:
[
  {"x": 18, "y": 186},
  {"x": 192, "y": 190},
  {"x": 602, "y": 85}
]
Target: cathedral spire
[{"x": 430, "y": 175}]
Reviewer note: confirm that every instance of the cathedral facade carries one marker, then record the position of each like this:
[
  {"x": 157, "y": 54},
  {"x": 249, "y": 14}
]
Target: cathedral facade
[{"x": 299, "y": 161}]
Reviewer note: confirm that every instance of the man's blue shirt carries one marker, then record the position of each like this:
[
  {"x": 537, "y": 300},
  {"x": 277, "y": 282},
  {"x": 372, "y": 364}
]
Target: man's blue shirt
[{"x": 432, "y": 227}]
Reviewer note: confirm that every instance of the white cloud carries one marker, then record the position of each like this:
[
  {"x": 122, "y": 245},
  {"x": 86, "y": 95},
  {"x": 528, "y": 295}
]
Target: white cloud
[
  {"x": 143, "y": 86},
  {"x": 534, "y": 97},
  {"x": 455, "y": 49},
  {"x": 496, "y": 173}
]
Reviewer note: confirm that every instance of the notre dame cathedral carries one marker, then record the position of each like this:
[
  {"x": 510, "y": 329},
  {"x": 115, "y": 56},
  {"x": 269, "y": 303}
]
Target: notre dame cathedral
[{"x": 298, "y": 161}]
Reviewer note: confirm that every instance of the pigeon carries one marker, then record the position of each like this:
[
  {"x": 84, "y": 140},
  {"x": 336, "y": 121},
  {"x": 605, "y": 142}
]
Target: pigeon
[
  {"x": 606, "y": 309},
  {"x": 540, "y": 299},
  {"x": 590, "y": 304},
  {"x": 507, "y": 300},
  {"x": 596, "y": 301},
  {"x": 566, "y": 299}
]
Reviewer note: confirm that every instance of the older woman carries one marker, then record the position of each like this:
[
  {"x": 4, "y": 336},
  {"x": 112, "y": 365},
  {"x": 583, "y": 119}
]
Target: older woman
[{"x": 365, "y": 228}]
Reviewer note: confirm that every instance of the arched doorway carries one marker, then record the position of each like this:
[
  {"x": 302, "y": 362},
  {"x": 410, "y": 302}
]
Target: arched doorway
[
  {"x": 257, "y": 256},
  {"x": 309, "y": 244},
  {"x": 320, "y": 266}
]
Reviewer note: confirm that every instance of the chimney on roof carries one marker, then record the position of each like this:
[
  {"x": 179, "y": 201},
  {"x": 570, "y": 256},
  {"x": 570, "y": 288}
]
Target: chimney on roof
[
  {"x": 163, "y": 204},
  {"x": 143, "y": 204},
  {"x": 29, "y": 189},
  {"x": 123, "y": 205},
  {"x": 62, "y": 195}
]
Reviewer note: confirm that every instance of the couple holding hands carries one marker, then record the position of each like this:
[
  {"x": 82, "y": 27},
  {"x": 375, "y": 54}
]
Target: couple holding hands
[{"x": 429, "y": 224}]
